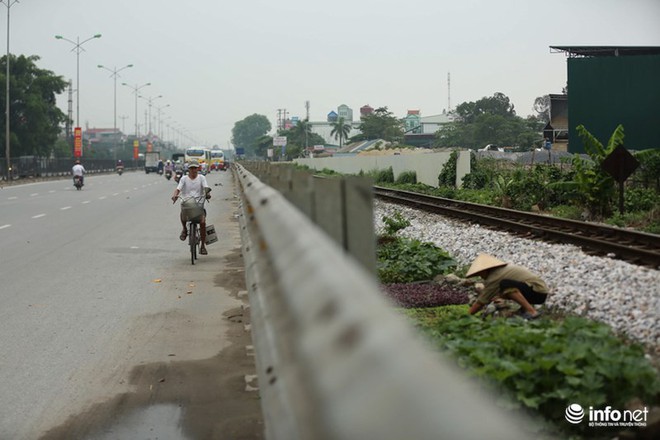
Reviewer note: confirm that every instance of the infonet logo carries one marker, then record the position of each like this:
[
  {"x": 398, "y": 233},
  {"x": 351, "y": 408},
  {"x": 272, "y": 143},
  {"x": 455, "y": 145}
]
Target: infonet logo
[
  {"x": 606, "y": 417},
  {"x": 574, "y": 413}
]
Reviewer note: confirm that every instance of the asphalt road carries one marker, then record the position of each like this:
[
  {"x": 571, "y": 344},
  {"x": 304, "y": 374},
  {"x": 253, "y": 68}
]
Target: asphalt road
[{"x": 106, "y": 330}]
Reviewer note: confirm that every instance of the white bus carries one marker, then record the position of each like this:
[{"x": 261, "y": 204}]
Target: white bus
[{"x": 200, "y": 154}]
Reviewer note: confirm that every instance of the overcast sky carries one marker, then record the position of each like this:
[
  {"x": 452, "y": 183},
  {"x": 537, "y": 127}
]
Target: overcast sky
[{"x": 216, "y": 62}]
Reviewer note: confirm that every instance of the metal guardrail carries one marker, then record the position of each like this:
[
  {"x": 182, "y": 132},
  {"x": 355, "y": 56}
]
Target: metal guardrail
[{"x": 334, "y": 360}]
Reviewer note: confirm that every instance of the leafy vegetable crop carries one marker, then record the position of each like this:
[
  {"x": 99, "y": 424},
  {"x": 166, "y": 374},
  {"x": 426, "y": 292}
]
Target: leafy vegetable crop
[{"x": 546, "y": 365}]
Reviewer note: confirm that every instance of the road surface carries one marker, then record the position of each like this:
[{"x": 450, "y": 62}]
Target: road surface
[{"x": 106, "y": 329}]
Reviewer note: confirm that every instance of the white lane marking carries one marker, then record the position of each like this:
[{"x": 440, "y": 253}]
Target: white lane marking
[
  {"x": 39, "y": 216},
  {"x": 4, "y": 226},
  {"x": 115, "y": 194},
  {"x": 102, "y": 197},
  {"x": 65, "y": 208},
  {"x": 12, "y": 198},
  {"x": 85, "y": 202},
  {"x": 51, "y": 191},
  {"x": 34, "y": 194},
  {"x": 134, "y": 247}
]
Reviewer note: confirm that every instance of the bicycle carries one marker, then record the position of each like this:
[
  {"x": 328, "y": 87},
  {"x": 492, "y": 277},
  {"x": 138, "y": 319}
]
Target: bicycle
[{"x": 193, "y": 209}]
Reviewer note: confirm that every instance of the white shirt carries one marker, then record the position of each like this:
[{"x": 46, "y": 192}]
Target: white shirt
[
  {"x": 78, "y": 170},
  {"x": 192, "y": 187}
]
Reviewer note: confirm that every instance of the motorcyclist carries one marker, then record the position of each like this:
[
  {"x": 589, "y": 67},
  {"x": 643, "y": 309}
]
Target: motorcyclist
[
  {"x": 160, "y": 166},
  {"x": 78, "y": 170},
  {"x": 120, "y": 164},
  {"x": 168, "y": 169}
]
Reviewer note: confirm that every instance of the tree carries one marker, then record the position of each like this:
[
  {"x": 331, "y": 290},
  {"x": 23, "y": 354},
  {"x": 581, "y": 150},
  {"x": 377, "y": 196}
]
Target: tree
[
  {"x": 340, "y": 130},
  {"x": 248, "y": 130},
  {"x": 594, "y": 187},
  {"x": 490, "y": 120},
  {"x": 34, "y": 118},
  {"x": 301, "y": 134},
  {"x": 498, "y": 104},
  {"x": 261, "y": 146},
  {"x": 381, "y": 124}
]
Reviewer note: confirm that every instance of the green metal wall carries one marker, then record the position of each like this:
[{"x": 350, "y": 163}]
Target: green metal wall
[{"x": 604, "y": 92}]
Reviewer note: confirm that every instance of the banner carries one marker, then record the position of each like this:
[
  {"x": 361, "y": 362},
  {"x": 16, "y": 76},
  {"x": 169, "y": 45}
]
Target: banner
[
  {"x": 136, "y": 148},
  {"x": 150, "y": 147},
  {"x": 77, "y": 142}
]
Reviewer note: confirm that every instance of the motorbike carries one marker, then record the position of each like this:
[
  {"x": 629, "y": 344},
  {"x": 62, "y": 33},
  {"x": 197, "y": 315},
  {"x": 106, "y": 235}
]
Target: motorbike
[
  {"x": 120, "y": 170},
  {"x": 168, "y": 174},
  {"x": 177, "y": 175},
  {"x": 78, "y": 182}
]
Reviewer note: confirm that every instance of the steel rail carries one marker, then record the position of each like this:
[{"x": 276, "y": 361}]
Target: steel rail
[{"x": 635, "y": 247}]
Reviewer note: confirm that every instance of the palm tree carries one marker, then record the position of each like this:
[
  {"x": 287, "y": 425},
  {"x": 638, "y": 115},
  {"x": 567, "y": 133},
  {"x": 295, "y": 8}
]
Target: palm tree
[
  {"x": 301, "y": 132},
  {"x": 340, "y": 130}
]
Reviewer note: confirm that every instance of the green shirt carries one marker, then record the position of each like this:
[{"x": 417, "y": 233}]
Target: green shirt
[{"x": 509, "y": 272}]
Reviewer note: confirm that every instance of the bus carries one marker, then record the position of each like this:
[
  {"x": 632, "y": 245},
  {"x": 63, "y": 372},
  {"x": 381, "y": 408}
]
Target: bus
[
  {"x": 218, "y": 160},
  {"x": 200, "y": 154}
]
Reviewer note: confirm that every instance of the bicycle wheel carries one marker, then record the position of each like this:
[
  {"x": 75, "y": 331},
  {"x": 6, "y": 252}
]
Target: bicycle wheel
[{"x": 192, "y": 240}]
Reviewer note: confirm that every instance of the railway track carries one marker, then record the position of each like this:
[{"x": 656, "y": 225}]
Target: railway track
[{"x": 634, "y": 247}]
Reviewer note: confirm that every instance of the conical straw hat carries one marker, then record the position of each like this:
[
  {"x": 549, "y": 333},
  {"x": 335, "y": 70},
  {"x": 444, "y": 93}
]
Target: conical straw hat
[{"x": 483, "y": 262}]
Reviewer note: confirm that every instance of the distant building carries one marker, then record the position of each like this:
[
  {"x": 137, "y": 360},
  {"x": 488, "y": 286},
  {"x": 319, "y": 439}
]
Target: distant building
[
  {"x": 102, "y": 137},
  {"x": 612, "y": 85},
  {"x": 345, "y": 112},
  {"x": 412, "y": 122},
  {"x": 332, "y": 116},
  {"x": 424, "y": 134},
  {"x": 556, "y": 131},
  {"x": 366, "y": 110}
]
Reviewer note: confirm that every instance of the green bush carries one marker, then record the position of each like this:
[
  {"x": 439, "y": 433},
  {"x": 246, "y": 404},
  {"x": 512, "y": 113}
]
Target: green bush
[
  {"x": 382, "y": 176},
  {"x": 640, "y": 199},
  {"x": 395, "y": 223},
  {"x": 407, "y": 177}
]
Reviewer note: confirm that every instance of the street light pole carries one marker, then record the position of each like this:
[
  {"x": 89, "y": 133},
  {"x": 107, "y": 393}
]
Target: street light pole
[
  {"x": 150, "y": 100},
  {"x": 135, "y": 91},
  {"x": 8, "y": 4},
  {"x": 160, "y": 133},
  {"x": 77, "y": 46},
  {"x": 114, "y": 74}
]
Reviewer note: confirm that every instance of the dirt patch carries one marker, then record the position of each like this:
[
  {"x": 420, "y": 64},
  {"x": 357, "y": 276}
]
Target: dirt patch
[{"x": 206, "y": 399}]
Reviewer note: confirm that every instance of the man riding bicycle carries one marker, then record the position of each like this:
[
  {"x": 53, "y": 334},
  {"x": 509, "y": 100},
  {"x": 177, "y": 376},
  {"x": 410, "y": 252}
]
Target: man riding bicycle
[{"x": 193, "y": 185}]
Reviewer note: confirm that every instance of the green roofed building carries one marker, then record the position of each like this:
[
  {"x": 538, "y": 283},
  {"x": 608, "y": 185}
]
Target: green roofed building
[{"x": 612, "y": 85}]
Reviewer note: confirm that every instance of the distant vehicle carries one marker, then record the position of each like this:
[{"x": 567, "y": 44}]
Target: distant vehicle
[
  {"x": 491, "y": 147},
  {"x": 200, "y": 154},
  {"x": 151, "y": 161},
  {"x": 218, "y": 160}
]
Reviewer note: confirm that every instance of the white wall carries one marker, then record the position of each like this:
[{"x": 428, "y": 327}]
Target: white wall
[{"x": 427, "y": 165}]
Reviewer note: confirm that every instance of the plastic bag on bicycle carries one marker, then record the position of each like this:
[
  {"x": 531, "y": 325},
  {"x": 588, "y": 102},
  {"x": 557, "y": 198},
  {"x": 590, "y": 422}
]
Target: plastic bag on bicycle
[{"x": 192, "y": 209}]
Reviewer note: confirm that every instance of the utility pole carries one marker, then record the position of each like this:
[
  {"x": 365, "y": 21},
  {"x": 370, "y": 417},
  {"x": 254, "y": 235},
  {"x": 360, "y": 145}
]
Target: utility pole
[
  {"x": 448, "y": 92},
  {"x": 8, "y": 4},
  {"x": 123, "y": 123},
  {"x": 69, "y": 119}
]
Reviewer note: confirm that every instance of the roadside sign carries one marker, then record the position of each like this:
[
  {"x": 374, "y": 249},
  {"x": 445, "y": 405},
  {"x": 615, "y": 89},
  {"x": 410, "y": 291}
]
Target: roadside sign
[
  {"x": 279, "y": 141},
  {"x": 77, "y": 142},
  {"x": 136, "y": 148},
  {"x": 620, "y": 164}
]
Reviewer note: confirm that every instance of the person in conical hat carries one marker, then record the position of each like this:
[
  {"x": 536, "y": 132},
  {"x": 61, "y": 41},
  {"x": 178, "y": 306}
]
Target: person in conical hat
[{"x": 508, "y": 281}]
